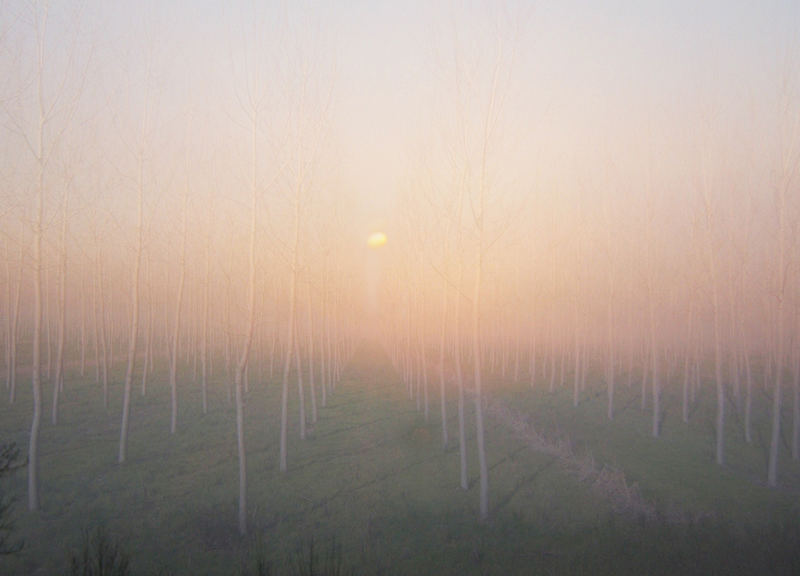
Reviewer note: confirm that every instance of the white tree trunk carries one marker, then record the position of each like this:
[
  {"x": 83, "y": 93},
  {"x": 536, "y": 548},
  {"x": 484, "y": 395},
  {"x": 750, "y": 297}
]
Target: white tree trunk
[
  {"x": 103, "y": 338},
  {"x": 58, "y": 383},
  {"x": 311, "y": 357},
  {"x": 289, "y": 336},
  {"x": 204, "y": 335},
  {"x": 14, "y": 330},
  {"x": 133, "y": 338},
  {"x": 173, "y": 365},
  {"x": 442, "y": 341},
  {"x": 148, "y": 345},
  {"x": 780, "y": 283},
  {"x": 300, "y": 392}
]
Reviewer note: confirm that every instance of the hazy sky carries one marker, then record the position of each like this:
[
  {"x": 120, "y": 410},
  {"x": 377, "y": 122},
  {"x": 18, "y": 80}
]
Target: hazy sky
[
  {"x": 584, "y": 74},
  {"x": 592, "y": 93}
]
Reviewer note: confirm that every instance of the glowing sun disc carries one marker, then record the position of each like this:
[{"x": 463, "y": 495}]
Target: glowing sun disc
[{"x": 376, "y": 240}]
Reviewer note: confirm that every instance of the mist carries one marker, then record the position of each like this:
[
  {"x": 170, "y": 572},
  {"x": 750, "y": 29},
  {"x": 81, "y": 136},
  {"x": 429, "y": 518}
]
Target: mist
[{"x": 428, "y": 284}]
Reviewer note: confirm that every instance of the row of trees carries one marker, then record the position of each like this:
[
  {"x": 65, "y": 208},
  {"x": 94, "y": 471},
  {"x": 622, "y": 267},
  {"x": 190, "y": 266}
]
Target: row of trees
[
  {"x": 669, "y": 269},
  {"x": 157, "y": 216},
  {"x": 142, "y": 246}
]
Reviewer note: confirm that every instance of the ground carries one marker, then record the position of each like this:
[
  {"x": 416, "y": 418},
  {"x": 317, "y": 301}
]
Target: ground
[{"x": 373, "y": 481}]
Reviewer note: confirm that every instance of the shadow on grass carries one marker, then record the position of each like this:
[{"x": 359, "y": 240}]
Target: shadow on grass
[{"x": 503, "y": 502}]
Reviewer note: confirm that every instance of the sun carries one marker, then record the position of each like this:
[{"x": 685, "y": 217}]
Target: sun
[{"x": 376, "y": 240}]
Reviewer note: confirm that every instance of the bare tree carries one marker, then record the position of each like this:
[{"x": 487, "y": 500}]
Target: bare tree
[
  {"x": 310, "y": 311},
  {"x": 479, "y": 213},
  {"x": 204, "y": 360},
  {"x": 612, "y": 250},
  {"x": 709, "y": 207},
  {"x": 241, "y": 365},
  {"x": 173, "y": 364},
  {"x": 13, "y": 322},
  {"x": 100, "y": 281},
  {"x": 308, "y": 115},
  {"x": 43, "y": 145},
  {"x": 40, "y": 16},
  {"x": 290, "y": 328},
  {"x": 134, "y": 326},
  {"x": 148, "y": 345},
  {"x": 58, "y": 383},
  {"x": 787, "y": 174}
]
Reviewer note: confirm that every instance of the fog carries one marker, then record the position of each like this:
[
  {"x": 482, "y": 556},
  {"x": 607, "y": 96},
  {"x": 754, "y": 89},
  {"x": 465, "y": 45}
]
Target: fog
[{"x": 535, "y": 191}]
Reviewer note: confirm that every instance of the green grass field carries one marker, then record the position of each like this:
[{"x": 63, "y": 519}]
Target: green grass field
[{"x": 372, "y": 480}]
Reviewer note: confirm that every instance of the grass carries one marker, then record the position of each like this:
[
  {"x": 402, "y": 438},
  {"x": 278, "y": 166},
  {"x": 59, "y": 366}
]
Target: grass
[
  {"x": 677, "y": 470},
  {"x": 372, "y": 483}
]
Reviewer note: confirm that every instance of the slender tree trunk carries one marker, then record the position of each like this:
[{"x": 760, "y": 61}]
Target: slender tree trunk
[
  {"x": 148, "y": 346},
  {"x": 772, "y": 467},
  {"x": 134, "y": 335},
  {"x": 58, "y": 384},
  {"x": 748, "y": 400},
  {"x": 204, "y": 335},
  {"x": 462, "y": 439},
  {"x": 734, "y": 350},
  {"x": 14, "y": 332},
  {"x": 796, "y": 409},
  {"x": 173, "y": 366},
  {"x": 686, "y": 364},
  {"x": 424, "y": 372},
  {"x": 476, "y": 360},
  {"x": 7, "y": 331},
  {"x": 532, "y": 353},
  {"x": 36, "y": 383},
  {"x": 289, "y": 336},
  {"x": 109, "y": 319},
  {"x": 7, "y": 348},
  {"x": 103, "y": 338},
  {"x": 476, "y": 301},
  {"x": 442, "y": 342},
  {"x": 228, "y": 337},
  {"x": 553, "y": 354},
  {"x": 323, "y": 373},
  {"x": 720, "y": 424},
  {"x": 577, "y": 382},
  {"x": 300, "y": 392},
  {"x": 273, "y": 346},
  {"x": 48, "y": 324},
  {"x": 423, "y": 361},
  {"x": 311, "y": 357},
  {"x": 95, "y": 328},
  {"x": 83, "y": 326},
  {"x": 243, "y": 359},
  {"x": 655, "y": 376},
  {"x": 645, "y": 372},
  {"x": 329, "y": 348},
  {"x": 611, "y": 355},
  {"x": 710, "y": 256}
]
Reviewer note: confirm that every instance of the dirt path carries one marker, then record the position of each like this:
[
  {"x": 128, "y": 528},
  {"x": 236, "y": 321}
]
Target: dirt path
[{"x": 608, "y": 483}]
